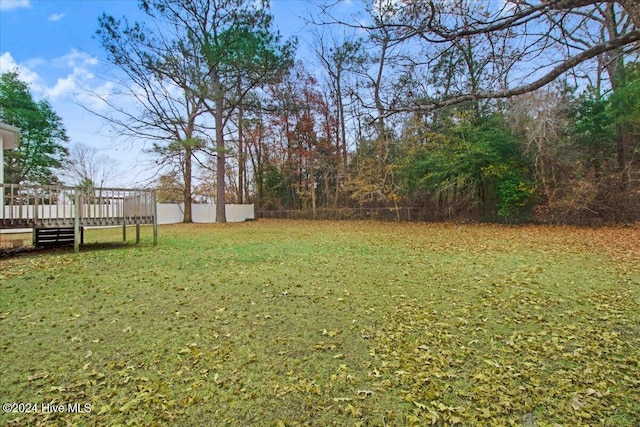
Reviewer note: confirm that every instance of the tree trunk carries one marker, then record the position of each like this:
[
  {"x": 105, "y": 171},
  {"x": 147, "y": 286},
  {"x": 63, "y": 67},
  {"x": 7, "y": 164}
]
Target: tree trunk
[
  {"x": 616, "y": 71},
  {"x": 221, "y": 200},
  {"x": 257, "y": 163},
  {"x": 313, "y": 195},
  {"x": 241, "y": 165},
  {"x": 187, "y": 218},
  {"x": 625, "y": 137},
  {"x": 382, "y": 143},
  {"x": 342, "y": 144}
]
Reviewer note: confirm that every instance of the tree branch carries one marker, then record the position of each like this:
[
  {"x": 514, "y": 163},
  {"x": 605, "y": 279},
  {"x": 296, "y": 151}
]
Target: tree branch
[{"x": 430, "y": 105}]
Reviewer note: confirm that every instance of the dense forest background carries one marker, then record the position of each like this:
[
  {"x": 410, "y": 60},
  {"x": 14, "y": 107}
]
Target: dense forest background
[
  {"x": 505, "y": 110},
  {"x": 392, "y": 120}
]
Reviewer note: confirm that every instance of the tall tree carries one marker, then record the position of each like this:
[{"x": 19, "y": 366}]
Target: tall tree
[
  {"x": 372, "y": 180},
  {"x": 43, "y": 135},
  {"x": 340, "y": 61},
  {"x": 167, "y": 86},
  {"x": 235, "y": 41}
]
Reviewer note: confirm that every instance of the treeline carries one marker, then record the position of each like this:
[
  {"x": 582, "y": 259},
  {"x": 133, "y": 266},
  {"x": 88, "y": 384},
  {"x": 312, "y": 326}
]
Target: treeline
[
  {"x": 502, "y": 111},
  {"x": 499, "y": 111},
  {"x": 553, "y": 155},
  {"x": 463, "y": 110}
]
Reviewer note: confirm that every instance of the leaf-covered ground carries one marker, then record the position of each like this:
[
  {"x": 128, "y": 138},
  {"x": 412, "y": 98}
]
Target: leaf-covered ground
[{"x": 324, "y": 323}]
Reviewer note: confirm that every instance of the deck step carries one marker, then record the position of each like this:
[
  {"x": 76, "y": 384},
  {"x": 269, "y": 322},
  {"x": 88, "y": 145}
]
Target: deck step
[{"x": 50, "y": 237}]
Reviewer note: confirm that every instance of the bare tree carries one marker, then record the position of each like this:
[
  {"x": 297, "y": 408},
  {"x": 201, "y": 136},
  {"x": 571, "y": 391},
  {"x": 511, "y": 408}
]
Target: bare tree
[
  {"x": 86, "y": 165},
  {"x": 343, "y": 61},
  {"x": 160, "y": 98},
  {"x": 542, "y": 34}
]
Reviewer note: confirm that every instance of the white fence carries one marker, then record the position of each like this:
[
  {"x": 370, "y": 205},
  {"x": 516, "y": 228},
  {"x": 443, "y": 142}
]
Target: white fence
[
  {"x": 167, "y": 213},
  {"x": 174, "y": 213}
]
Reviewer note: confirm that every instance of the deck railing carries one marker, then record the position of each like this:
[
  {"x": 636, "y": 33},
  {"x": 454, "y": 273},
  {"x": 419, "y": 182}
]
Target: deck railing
[
  {"x": 57, "y": 206},
  {"x": 60, "y": 206}
]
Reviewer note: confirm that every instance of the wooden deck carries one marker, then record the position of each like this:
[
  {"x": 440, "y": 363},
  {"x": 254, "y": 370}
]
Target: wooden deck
[{"x": 40, "y": 207}]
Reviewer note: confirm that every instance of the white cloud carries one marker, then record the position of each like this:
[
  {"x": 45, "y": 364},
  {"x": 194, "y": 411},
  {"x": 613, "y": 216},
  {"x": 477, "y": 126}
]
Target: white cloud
[
  {"x": 25, "y": 72},
  {"x": 95, "y": 100},
  {"x": 78, "y": 81},
  {"x": 56, "y": 17},
  {"x": 75, "y": 82},
  {"x": 14, "y": 4},
  {"x": 33, "y": 63},
  {"x": 69, "y": 83},
  {"x": 75, "y": 59},
  {"x": 74, "y": 76},
  {"x": 7, "y": 63},
  {"x": 507, "y": 8},
  {"x": 64, "y": 86}
]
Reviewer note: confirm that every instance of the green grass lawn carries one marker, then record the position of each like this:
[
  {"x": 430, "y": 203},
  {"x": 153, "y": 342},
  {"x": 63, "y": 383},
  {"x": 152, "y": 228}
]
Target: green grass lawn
[{"x": 273, "y": 323}]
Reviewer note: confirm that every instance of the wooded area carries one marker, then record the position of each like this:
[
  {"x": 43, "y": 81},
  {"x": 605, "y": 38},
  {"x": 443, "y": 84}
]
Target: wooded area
[{"x": 500, "y": 111}]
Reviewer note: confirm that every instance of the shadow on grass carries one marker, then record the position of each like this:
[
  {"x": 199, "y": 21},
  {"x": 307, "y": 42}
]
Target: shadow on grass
[{"x": 87, "y": 247}]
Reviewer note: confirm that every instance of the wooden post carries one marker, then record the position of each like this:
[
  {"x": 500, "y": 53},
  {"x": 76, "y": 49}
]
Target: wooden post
[
  {"x": 155, "y": 218},
  {"x": 124, "y": 232},
  {"x": 76, "y": 222},
  {"x": 137, "y": 233}
]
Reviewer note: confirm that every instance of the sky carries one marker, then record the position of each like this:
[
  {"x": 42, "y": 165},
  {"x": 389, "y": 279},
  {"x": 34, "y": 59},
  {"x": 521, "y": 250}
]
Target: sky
[{"x": 52, "y": 44}]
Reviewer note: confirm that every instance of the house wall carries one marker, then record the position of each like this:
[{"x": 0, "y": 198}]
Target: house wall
[
  {"x": 1, "y": 175},
  {"x": 1, "y": 163},
  {"x": 9, "y": 138}
]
